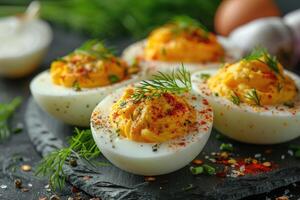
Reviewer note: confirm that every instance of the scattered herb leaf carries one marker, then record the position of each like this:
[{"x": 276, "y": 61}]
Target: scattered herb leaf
[
  {"x": 113, "y": 78},
  {"x": 204, "y": 76},
  {"x": 289, "y": 104},
  {"x": 235, "y": 99},
  {"x": 196, "y": 170},
  {"x": 209, "y": 169},
  {"x": 226, "y": 147},
  {"x": 76, "y": 86},
  {"x": 253, "y": 96}
]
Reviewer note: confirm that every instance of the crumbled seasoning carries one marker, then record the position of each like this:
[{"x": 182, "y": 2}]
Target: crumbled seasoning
[
  {"x": 18, "y": 183},
  {"x": 73, "y": 162},
  {"x": 150, "y": 178},
  {"x": 229, "y": 165},
  {"x": 24, "y": 189},
  {"x": 282, "y": 198},
  {"x": 155, "y": 147},
  {"x": 198, "y": 162},
  {"x": 26, "y": 168}
]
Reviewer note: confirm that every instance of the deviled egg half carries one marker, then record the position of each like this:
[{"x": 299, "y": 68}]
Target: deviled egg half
[
  {"x": 77, "y": 82},
  {"x": 149, "y": 129},
  {"x": 254, "y": 100},
  {"x": 182, "y": 40}
]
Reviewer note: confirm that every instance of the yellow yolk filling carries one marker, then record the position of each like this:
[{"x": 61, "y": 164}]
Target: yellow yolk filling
[
  {"x": 186, "y": 46},
  {"x": 87, "y": 71},
  {"x": 152, "y": 120},
  {"x": 244, "y": 77}
]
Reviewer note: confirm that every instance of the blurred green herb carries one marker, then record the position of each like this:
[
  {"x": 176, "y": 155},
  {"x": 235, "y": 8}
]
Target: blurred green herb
[
  {"x": 95, "y": 48},
  {"x": 106, "y": 18},
  {"x": 81, "y": 145},
  {"x": 186, "y": 23},
  {"x": 6, "y": 111}
]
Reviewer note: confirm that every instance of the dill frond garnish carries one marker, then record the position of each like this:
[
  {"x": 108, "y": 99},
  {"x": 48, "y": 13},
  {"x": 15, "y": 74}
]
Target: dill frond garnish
[
  {"x": 177, "y": 82},
  {"x": 235, "y": 99},
  {"x": 270, "y": 60},
  {"x": 95, "y": 48},
  {"x": 184, "y": 23},
  {"x": 82, "y": 145},
  {"x": 253, "y": 96},
  {"x": 6, "y": 111}
]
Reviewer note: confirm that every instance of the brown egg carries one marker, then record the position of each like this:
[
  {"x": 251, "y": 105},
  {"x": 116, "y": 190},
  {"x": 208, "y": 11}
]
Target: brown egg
[{"x": 233, "y": 13}]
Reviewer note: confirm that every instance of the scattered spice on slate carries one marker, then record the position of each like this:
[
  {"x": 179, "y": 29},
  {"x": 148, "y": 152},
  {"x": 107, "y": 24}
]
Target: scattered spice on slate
[
  {"x": 87, "y": 178},
  {"x": 18, "y": 183},
  {"x": 282, "y": 198},
  {"x": 54, "y": 197},
  {"x": 26, "y": 168},
  {"x": 73, "y": 162},
  {"x": 74, "y": 189},
  {"x": 150, "y": 178},
  {"x": 190, "y": 186},
  {"x": 197, "y": 162},
  {"x": 24, "y": 189}
]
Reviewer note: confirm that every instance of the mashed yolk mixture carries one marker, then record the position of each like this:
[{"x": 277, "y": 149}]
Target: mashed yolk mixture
[
  {"x": 169, "y": 43},
  {"x": 87, "y": 71},
  {"x": 253, "y": 82},
  {"x": 152, "y": 120}
]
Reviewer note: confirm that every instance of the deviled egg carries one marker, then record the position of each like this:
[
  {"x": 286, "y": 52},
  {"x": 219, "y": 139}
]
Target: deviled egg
[
  {"x": 183, "y": 40},
  {"x": 146, "y": 129},
  {"x": 254, "y": 100},
  {"x": 77, "y": 82}
]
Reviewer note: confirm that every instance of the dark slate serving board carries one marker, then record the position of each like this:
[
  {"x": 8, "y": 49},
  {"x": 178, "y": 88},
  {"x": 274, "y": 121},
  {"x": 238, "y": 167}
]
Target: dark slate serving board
[{"x": 109, "y": 182}]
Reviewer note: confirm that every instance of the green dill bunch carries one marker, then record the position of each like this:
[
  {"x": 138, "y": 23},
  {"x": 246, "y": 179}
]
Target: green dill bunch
[
  {"x": 263, "y": 56},
  {"x": 186, "y": 25},
  {"x": 177, "y": 82}
]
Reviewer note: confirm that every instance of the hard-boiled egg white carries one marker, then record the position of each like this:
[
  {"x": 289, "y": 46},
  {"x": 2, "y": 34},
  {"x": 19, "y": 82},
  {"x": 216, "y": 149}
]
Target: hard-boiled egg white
[
  {"x": 268, "y": 124},
  {"x": 150, "y": 158},
  {"x": 134, "y": 51},
  {"x": 66, "y": 104}
]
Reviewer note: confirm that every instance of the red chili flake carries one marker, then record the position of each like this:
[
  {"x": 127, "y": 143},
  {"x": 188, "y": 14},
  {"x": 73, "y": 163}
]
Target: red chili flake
[
  {"x": 205, "y": 102},
  {"x": 74, "y": 189},
  {"x": 202, "y": 122}
]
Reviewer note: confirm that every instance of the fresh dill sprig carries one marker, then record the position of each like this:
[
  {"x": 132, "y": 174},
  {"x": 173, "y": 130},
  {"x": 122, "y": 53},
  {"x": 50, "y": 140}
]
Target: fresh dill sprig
[
  {"x": 270, "y": 60},
  {"x": 253, "y": 96},
  {"x": 235, "y": 99},
  {"x": 81, "y": 145},
  {"x": 184, "y": 23},
  {"x": 176, "y": 82},
  {"x": 6, "y": 111},
  {"x": 95, "y": 48}
]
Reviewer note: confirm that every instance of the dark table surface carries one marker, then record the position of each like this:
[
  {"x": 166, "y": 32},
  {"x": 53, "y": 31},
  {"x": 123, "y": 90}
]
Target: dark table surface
[{"x": 18, "y": 149}]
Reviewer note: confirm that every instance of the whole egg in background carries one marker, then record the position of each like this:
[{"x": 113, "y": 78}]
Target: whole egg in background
[{"x": 234, "y": 13}]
